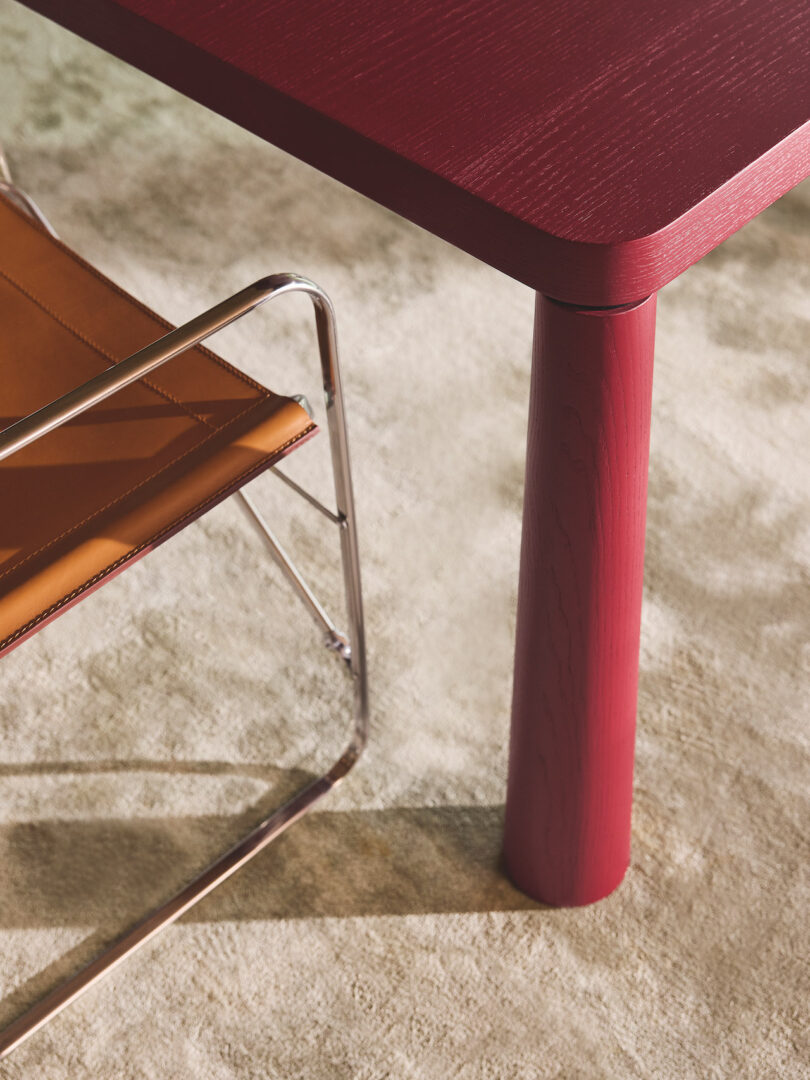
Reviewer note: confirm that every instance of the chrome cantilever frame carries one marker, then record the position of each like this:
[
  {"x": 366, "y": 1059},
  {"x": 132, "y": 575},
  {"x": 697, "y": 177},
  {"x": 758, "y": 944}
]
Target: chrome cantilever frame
[{"x": 351, "y": 652}]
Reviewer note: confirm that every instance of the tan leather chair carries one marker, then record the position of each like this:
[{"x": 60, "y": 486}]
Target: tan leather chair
[{"x": 118, "y": 431}]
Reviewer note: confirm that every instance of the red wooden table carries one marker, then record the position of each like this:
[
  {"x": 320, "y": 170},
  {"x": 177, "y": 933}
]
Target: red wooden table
[{"x": 593, "y": 151}]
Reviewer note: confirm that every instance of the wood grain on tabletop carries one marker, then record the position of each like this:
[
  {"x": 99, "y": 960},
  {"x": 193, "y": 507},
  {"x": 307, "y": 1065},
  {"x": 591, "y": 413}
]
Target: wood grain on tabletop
[{"x": 591, "y": 150}]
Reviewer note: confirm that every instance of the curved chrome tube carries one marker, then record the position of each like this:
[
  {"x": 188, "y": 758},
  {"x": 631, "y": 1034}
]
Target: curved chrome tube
[{"x": 354, "y": 653}]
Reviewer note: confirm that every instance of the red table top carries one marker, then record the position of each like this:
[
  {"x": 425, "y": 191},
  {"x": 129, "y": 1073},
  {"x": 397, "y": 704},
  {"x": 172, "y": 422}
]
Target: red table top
[{"x": 592, "y": 149}]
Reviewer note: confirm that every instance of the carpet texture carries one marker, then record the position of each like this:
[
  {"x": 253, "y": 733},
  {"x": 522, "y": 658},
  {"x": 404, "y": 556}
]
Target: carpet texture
[{"x": 142, "y": 731}]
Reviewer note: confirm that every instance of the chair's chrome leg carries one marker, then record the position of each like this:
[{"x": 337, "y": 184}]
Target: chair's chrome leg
[
  {"x": 306, "y": 495},
  {"x": 167, "y": 913},
  {"x": 333, "y": 638},
  {"x": 40, "y": 1013}
]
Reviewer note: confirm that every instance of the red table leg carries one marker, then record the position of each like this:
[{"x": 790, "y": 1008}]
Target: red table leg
[{"x": 579, "y": 609}]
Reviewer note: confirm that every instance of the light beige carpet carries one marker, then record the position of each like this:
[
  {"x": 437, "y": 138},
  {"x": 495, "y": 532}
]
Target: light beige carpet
[{"x": 141, "y": 731}]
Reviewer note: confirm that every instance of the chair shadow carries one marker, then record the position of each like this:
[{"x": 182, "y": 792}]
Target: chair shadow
[{"x": 339, "y": 864}]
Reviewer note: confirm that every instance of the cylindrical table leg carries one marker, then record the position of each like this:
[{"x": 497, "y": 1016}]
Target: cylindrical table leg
[{"x": 579, "y": 609}]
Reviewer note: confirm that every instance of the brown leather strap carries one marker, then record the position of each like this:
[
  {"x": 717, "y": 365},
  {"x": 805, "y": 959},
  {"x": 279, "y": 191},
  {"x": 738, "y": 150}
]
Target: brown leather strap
[{"x": 86, "y": 499}]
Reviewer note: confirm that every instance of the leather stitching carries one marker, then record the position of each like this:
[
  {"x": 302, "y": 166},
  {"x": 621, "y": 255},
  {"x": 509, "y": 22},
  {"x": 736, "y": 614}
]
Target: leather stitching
[
  {"x": 26, "y": 220},
  {"x": 130, "y": 491},
  {"x": 265, "y": 396},
  {"x": 97, "y": 348},
  {"x": 196, "y": 510}
]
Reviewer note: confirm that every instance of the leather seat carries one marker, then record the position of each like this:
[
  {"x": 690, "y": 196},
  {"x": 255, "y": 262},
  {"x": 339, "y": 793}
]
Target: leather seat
[{"x": 82, "y": 502}]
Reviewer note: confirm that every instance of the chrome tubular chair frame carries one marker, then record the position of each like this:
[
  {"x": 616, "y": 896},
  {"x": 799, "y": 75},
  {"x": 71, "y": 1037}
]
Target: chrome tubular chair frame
[{"x": 351, "y": 651}]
